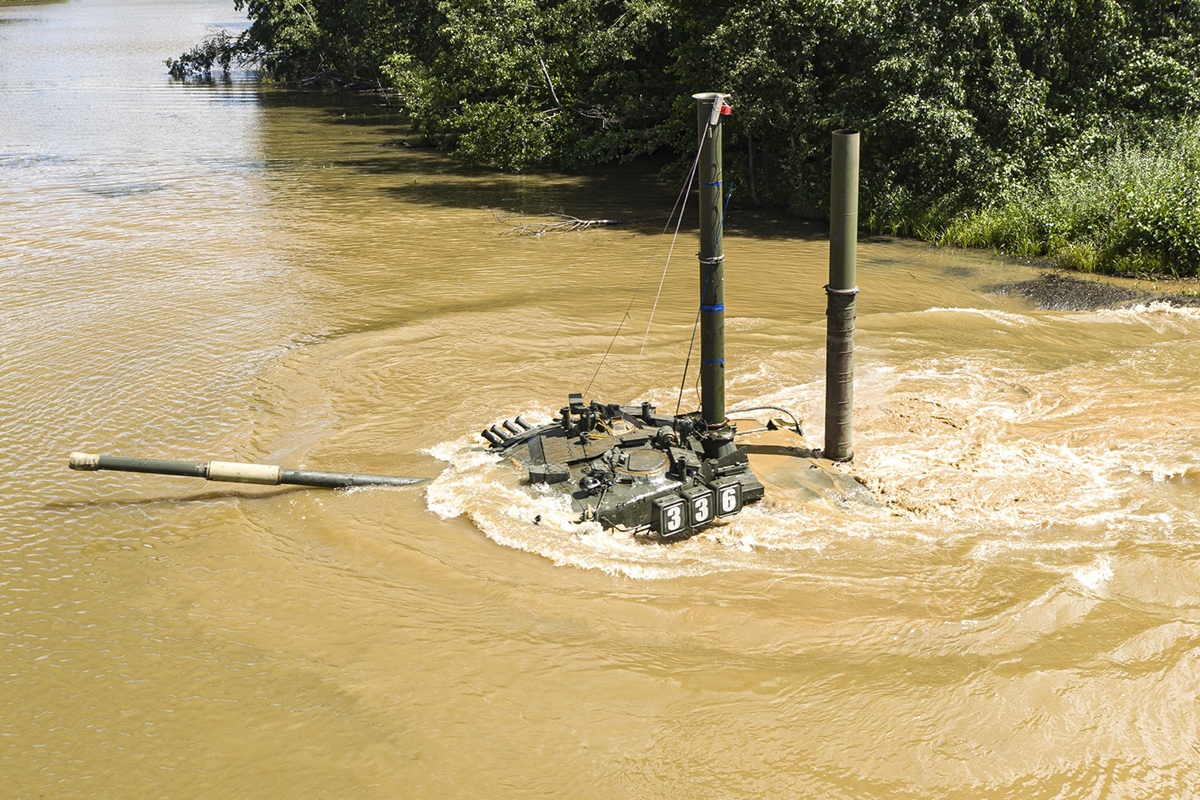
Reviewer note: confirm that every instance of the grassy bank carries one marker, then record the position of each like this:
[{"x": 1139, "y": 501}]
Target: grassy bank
[{"x": 1133, "y": 209}]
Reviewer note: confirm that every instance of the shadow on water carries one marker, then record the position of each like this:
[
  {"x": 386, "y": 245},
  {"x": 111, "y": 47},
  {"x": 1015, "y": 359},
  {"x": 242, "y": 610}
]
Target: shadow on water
[
  {"x": 195, "y": 497},
  {"x": 638, "y": 193}
]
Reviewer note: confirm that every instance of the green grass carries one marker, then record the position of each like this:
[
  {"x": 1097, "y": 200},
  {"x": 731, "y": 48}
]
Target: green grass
[{"x": 1134, "y": 209}]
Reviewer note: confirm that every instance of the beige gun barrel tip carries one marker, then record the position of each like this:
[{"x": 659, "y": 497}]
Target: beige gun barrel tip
[{"x": 85, "y": 461}]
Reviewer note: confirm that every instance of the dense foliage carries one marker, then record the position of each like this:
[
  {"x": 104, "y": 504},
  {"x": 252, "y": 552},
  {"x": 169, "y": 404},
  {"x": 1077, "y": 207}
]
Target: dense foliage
[
  {"x": 963, "y": 105},
  {"x": 1134, "y": 209}
]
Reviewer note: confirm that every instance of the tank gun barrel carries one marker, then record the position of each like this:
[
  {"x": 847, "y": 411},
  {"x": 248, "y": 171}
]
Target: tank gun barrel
[{"x": 232, "y": 472}]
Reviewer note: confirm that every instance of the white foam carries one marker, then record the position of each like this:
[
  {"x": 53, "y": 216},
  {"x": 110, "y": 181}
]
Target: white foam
[
  {"x": 1159, "y": 316},
  {"x": 1005, "y": 318},
  {"x": 969, "y": 450},
  {"x": 1095, "y": 576},
  {"x": 1162, "y": 473}
]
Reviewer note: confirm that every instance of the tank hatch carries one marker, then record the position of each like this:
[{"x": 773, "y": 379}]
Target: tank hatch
[{"x": 631, "y": 468}]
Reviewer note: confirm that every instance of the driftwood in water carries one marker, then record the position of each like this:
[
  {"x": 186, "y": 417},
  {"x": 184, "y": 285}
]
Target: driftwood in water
[
  {"x": 340, "y": 80},
  {"x": 538, "y": 224}
]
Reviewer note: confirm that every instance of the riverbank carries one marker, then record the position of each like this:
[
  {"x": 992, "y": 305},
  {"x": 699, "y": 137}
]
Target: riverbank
[{"x": 1132, "y": 210}]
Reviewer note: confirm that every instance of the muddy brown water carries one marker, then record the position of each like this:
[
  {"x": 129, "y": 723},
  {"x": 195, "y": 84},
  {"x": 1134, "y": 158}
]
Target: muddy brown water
[{"x": 229, "y": 272}]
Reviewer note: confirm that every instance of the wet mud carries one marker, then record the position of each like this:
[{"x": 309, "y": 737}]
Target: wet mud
[{"x": 1059, "y": 292}]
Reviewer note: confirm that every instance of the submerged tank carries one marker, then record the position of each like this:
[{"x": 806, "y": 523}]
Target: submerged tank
[{"x": 629, "y": 467}]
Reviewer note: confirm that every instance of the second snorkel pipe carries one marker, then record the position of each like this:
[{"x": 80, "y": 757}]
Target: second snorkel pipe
[{"x": 842, "y": 291}]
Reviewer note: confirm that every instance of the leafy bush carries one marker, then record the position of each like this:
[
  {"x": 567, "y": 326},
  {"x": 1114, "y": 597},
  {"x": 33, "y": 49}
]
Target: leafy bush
[{"x": 1134, "y": 208}]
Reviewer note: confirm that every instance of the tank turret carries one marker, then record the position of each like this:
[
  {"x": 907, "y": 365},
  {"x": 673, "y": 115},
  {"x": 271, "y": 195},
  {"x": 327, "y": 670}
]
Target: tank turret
[{"x": 631, "y": 468}]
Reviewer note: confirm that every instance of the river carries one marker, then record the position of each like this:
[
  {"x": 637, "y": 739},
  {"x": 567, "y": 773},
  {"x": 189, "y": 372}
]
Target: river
[{"x": 228, "y": 271}]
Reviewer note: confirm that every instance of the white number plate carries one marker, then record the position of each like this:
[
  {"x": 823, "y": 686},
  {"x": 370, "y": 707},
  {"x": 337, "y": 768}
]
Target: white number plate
[
  {"x": 671, "y": 517},
  {"x": 701, "y": 507},
  {"x": 729, "y": 499}
]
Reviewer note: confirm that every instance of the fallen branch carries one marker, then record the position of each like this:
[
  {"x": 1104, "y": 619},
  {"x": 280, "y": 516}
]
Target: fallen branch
[{"x": 561, "y": 223}]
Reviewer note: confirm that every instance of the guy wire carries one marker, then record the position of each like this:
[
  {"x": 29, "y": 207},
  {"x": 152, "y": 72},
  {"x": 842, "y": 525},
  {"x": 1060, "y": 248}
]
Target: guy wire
[{"x": 680, "y": 206}]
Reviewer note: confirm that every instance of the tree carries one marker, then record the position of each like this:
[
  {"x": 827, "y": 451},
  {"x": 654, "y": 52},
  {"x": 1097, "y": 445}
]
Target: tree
[
  {"x": 961, "y": 103},
  {"x": 513, "y": 83}
]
